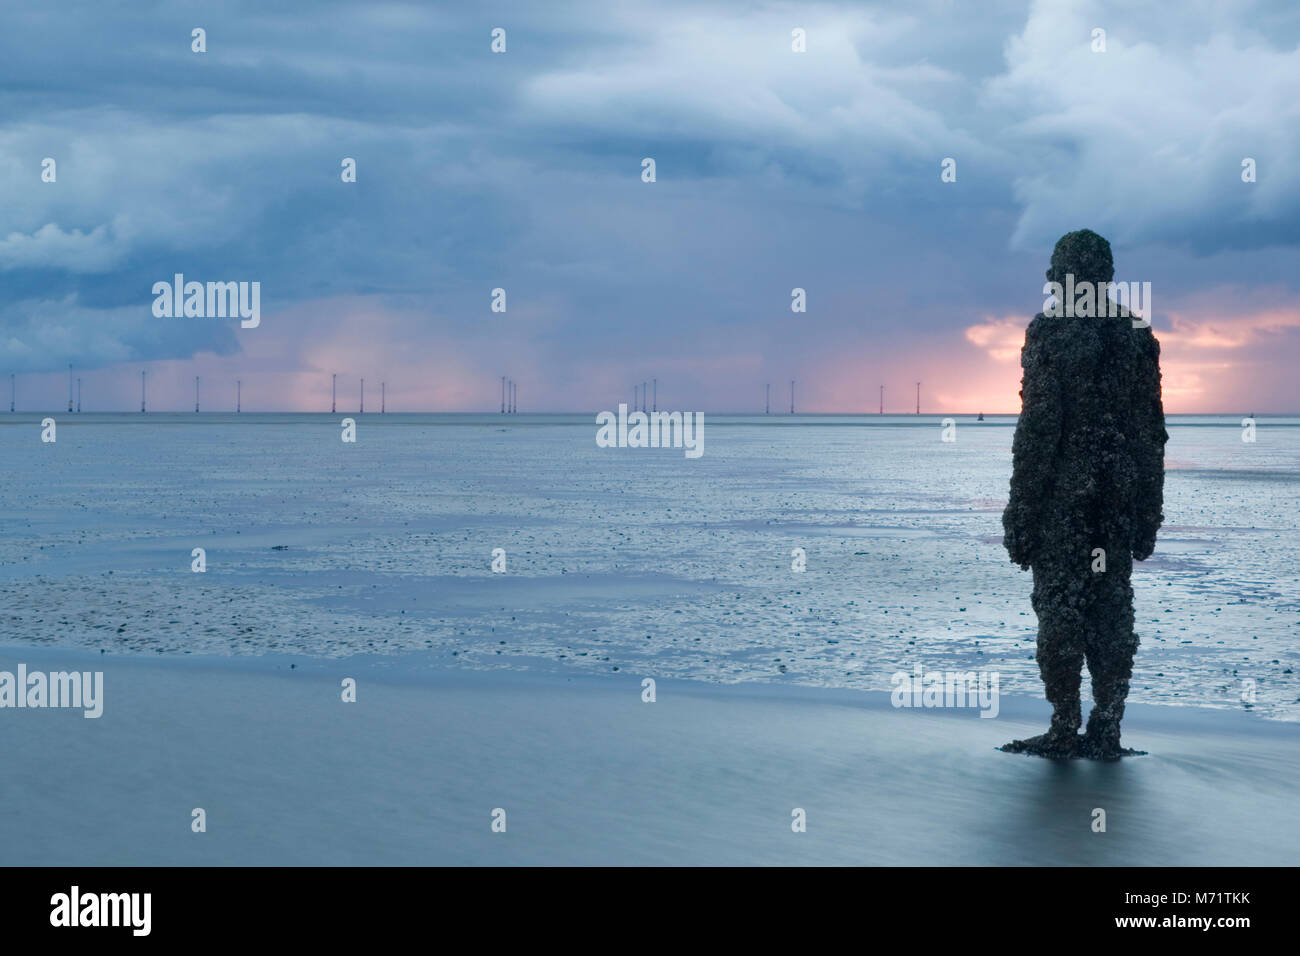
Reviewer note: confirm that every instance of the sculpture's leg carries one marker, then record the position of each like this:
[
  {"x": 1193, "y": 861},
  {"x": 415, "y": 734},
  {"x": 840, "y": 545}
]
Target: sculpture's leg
[
  {"x": 1061, "y": 641},
  {"x": 1110, "y": 648}
]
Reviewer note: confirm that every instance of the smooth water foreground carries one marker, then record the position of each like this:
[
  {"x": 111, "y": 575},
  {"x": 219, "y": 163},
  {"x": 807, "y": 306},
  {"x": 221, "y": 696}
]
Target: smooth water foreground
[{"x": 639, "y": 561}]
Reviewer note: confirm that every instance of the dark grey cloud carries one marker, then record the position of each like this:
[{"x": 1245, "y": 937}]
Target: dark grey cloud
[{"x": 819, "y": 170}]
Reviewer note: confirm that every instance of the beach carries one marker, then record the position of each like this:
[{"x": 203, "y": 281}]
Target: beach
[
  {"x": 589, "y": 773},
  {"x": 521, "y": 689}
]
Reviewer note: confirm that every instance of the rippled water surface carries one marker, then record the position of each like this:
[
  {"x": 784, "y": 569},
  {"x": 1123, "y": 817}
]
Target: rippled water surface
[{"x": 637, "y": 560}]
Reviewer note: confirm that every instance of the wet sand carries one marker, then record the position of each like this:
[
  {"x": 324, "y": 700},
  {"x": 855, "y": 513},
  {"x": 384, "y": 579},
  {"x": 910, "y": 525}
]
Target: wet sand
[{"x": 590, "y": 774}]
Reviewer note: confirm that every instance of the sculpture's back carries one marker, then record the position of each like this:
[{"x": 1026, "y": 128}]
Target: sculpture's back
[{"x": 1088, "y": 452}]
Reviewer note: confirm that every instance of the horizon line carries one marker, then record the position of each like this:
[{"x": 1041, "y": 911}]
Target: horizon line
[{"x": 508, "y": 415}]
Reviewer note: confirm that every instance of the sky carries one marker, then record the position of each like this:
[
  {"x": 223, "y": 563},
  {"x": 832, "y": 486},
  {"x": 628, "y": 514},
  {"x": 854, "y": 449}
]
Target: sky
[{"x": 522, "y": 170}]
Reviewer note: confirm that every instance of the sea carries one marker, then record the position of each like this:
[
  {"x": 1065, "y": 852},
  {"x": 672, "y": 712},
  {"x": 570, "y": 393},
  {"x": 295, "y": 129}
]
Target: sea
[{"x": 817, "y": 550}]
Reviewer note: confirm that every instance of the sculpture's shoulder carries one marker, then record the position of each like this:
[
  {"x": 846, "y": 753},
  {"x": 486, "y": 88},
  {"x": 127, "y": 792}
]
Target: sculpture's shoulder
[
  {"x": 1038, "y": 337},
  {"x": 1137, "y": 332},
  {"x": 1054, "y": 341},
  {"x": 1146, "y": 342}
]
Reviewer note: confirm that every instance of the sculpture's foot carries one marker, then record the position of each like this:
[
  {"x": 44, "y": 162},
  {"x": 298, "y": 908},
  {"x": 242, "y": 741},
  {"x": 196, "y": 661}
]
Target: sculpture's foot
[
  {"x": 1105, "y": 747},
  {"x": 1055, "y": 746}
]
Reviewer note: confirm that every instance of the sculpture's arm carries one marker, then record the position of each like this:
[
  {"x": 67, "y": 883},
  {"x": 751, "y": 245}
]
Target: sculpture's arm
[
  {"x": 1149, "y": 456},
  {"x": 1034, "y": 448}
]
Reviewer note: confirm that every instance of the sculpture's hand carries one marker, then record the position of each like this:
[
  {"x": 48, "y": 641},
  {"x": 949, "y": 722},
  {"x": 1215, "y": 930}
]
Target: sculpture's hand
[{"x": 1020, "y": 547}]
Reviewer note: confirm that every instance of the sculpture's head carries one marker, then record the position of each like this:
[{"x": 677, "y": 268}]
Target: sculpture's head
[{"x": 1084, "y": 254}]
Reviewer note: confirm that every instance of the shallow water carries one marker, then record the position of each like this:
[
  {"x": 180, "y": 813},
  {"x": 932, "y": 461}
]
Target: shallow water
[{"x": 635, "y": 560}]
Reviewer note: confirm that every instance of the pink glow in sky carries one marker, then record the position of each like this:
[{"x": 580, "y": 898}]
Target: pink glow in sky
[{"x": 1212, "y": 363}]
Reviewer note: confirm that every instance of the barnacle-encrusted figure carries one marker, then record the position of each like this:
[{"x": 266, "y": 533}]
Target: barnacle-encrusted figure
[{"x": 1088, "y": 474}]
